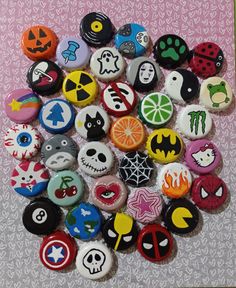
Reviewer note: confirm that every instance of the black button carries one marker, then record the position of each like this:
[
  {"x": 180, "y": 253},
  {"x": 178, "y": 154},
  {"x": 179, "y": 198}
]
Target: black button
[{"x": 41, "y": 216}]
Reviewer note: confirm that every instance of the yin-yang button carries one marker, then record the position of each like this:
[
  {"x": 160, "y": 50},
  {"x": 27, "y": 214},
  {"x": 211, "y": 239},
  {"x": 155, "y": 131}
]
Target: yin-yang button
[
  {"x": 182, "y": 86},
  {"x": 120, "y": 231},
  {"x": 107, "y": 64},
  {"x": 41, "y": 216},
  {"x": 92, "y": 123}
]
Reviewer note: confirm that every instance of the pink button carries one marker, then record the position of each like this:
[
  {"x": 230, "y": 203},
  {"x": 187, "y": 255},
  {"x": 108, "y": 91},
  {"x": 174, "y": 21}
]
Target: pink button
[
  {"x": 22, "y": 106},
  {"x": 202, "y": 156}
]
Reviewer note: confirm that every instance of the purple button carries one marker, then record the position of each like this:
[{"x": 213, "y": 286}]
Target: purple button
[
  {"x": 73, "y": 53},
  {"x": 22, "y": 106},
  {"x": 202, "y": 156}
]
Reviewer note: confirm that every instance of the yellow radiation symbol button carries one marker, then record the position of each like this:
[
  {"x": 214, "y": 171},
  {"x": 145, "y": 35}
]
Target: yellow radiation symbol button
[
  {"x": 164, "y": 145},
  {"x": 80, "y": 88},
  {"x": 180, "y": 216},
  {"x": 96, "y": 26}
]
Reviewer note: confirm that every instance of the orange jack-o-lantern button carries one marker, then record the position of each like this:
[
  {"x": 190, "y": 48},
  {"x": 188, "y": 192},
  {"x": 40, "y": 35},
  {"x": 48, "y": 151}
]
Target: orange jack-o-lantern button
[
  {"x": 39, "y": 42},
  {"x": 127, "y": 133}
]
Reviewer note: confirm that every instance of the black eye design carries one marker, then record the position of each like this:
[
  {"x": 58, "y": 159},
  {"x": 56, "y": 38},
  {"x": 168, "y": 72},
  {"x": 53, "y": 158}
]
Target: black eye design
[
  {"x": 174, "y": 78},
  {"x": 91, "y": 152},
  {"x": 102, "y": 157},
  {"x": 64, "y": 143}
]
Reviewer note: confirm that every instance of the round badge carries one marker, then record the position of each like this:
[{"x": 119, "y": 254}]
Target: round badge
[
  {"x": 182, "y": 86},
  {"x": 132, "y": 40},
  {"x": 136, "y": 168},
  {"x": 143, "y": 74},
  {"x": 95, "y": 159},
  {"x": 155, "y": 109},
  {"x": 155, "y": 243},
  {"x": 59, "y": 152},
  {"x": 144, "y": 205},
  {"x": 209, "y": 192},
  {"x": 180, "y": 216},
  {"x": 94, "y": 260},
  {"x": 22, "y": 106},
  {"x": 39, "y": 42},
  {"x": 109, "y": 193},
  {"x": 41, "y": 216},
  {"x": 73, "y": 53},
  {"x": 92, "y": 123},
  {"x": 84, "y": 221},
  {"x": 206, "y": 59},
  {"x": 80, "y": 88},
  {"x": 57, "y": 116},
  {"x": 96, "y": 29},
  {"x": 164, "y": 145},
  {"x": 118, "y": 99},
  {"x": 57, "y": 251},
  {"x": 202, "y": 156},
  {"x": 127, "y": 133},
  {"x": 107, "y": 64},
  {"x": 45, "y": 77},
  {"x": 194, "y": 121},
  {"x": 29, "y": 178},
  {"x": 174, "y": 180},
  {"x": 216, "y": 94},
  {"x": 22, "y": 141},
  {"x": 65, "y": 188},
  {"x": 120, "y": 231},
  {"x": 170, "y": 51}
]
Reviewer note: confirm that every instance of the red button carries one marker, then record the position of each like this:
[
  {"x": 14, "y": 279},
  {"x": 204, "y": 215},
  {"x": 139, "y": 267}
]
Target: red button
[
  {"x": 58, "y": 250},
  {"x": 155, "y": 243}
]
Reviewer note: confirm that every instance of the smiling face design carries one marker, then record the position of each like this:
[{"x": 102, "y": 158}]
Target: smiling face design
[
  {"x": 205, "y": 156},
  {"x": 59, "y": 152},
  {"x": 95, "y": 159},
  {"x": 146, "y": 73}
]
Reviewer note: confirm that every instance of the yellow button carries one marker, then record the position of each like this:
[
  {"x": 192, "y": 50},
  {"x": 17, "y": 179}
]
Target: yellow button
[
  {"x": 80, "y": 88},
  {"x": 164, "y": 145}
]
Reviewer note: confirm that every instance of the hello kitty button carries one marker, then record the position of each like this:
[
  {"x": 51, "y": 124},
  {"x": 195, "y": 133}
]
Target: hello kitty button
[{"x": 202, "y": 156}]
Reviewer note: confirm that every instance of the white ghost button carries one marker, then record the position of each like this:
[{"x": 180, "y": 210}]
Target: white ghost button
[
  {"x": 94, "y": 260},
  {"x": 107, "y": 64},
  {"x": 95, "y": 159}
]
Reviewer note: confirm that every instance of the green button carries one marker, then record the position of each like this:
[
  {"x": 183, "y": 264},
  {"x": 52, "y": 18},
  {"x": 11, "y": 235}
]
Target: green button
[{"x": 65, "y": 188}]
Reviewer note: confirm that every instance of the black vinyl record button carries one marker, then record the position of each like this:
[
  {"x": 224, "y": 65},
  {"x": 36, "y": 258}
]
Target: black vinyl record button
[
  {"x": 170, "y": 51},
  {"x": 45, "y": 77},
  {"x": 41, "y": 216},
  {"x": 180, "y": 216},
  {"x": 96, "y": 29}
]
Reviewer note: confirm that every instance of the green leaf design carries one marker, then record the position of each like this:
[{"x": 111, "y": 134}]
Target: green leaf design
[{"x": 71, "y": 219}]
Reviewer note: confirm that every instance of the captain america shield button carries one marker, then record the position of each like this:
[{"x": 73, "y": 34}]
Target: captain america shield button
[{"x": 57, "y": 251}]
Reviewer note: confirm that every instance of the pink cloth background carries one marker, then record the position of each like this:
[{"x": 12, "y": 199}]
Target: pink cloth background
[{"x": 207, "y": 259}]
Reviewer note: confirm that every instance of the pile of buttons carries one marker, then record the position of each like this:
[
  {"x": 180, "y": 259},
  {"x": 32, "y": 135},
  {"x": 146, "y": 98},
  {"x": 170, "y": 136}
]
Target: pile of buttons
[{"x": 159, "y": 214}]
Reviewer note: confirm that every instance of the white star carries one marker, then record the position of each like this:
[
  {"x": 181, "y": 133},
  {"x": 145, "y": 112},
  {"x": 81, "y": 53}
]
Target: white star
[{"x": 56, "y": 253}]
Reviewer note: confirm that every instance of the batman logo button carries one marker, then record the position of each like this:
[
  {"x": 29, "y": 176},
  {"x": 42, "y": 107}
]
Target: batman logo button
[
  {"x": 180, "y": 216},
  {"x": 164, "y": 145}
]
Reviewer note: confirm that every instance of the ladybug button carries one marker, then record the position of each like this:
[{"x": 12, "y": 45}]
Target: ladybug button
[
  {"x": 41, "y": 216},
  {"x": 180, "y": 216},
  {"x": 57, "y": 251},
  {"x": 206, "y": 59},
  {"x": 155, "y": 243}
]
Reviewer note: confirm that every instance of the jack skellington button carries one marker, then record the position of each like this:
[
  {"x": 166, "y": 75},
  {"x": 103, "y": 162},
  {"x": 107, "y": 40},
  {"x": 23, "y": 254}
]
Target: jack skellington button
[
  {"x": 95, "y": 159},
  {"x": 118, "y": 98},
  {"x": 120, "y": 231},
  {"x": 136, "y": 168},
  {"x": 155, "y": 243},
  {"x": 107, "y": 64},
  {"x": 143, "y": 74},
  {"x": 92, "y": 123},
  {"x": 41, "y": 216},
  {"x": 94, "y": 260},
  {"x": 59, "y": 152},
  {"x": 45, "y": 77}
]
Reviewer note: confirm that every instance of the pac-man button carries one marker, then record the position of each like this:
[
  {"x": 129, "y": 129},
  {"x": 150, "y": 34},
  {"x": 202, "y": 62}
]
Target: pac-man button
[
  {"x": 80, "y": 88},
  {"x": 180, "y": 216},
  {"x": 164, "y": 145}
]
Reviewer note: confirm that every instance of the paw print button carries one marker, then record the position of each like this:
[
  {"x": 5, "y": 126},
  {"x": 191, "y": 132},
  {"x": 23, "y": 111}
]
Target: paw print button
[{"x": 170, "y": 51}]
